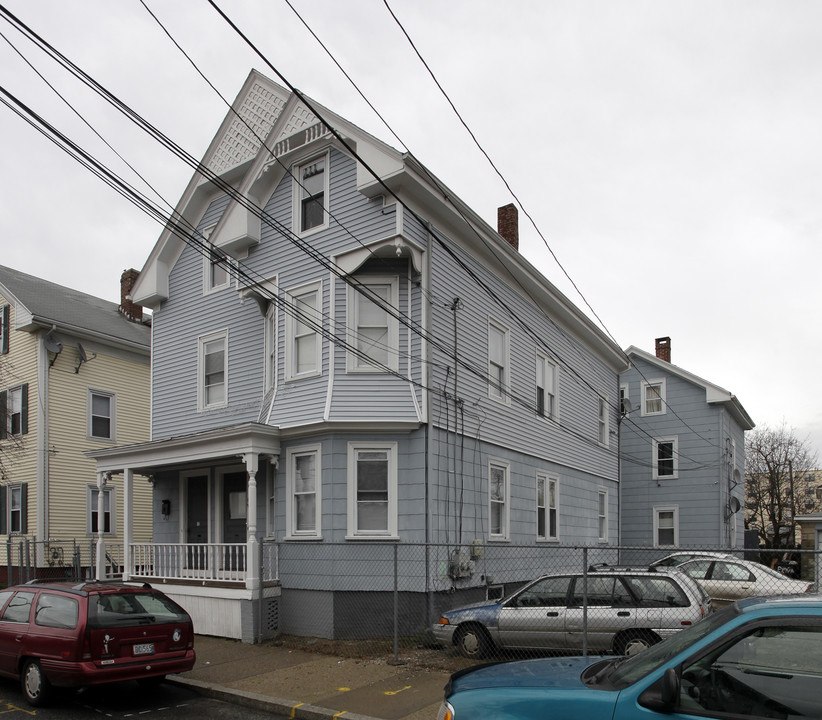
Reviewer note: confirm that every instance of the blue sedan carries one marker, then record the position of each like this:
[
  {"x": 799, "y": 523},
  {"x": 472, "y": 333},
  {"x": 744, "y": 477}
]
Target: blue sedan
[{"x": 757, "y": 658}]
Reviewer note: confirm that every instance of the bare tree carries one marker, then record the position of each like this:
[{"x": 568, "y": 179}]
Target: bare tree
[{"x": 776, "y": 465}]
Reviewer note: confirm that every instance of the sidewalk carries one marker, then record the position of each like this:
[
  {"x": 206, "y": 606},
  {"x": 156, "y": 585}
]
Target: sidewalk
[{"x": 311, "y": 685}]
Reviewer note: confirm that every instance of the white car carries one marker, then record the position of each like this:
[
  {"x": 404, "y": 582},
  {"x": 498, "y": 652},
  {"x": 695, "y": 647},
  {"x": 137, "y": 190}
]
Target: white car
[
  {"x": 676, "y": 559},
  {"x": 726, "y": 580}
]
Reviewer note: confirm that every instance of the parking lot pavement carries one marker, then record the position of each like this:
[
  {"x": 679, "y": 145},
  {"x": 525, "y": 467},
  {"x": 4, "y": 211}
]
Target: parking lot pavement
[{"x": 312, "y": 685}]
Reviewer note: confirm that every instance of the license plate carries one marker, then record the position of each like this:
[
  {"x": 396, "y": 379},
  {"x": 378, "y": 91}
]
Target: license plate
[{"x": 144, "y": 649}]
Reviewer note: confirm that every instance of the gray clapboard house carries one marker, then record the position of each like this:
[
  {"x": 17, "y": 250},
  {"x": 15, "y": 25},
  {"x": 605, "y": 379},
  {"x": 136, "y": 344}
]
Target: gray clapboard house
[
  {"x": 345, "y": 355},
  {"x": 682, "y": 450}
]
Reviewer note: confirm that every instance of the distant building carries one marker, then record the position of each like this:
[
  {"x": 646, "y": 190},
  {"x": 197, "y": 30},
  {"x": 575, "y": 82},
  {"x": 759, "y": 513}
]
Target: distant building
[
  {"x": 682, "y": 456},
  {"x": 74, "y": 376}
]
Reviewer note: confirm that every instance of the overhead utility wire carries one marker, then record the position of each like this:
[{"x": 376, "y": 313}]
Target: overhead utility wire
[
  {"x": 228, "y": 189},
  {"x": 434, "y": 181},
  {"x": 143, "y": 203},
  {"x": 488, "y": 290},
  {"x": 577, "y": 376},
  {"x": 480, "y": 373},
  {"x": 516, "y": 198},
  {"x": 496, "y": 170}
]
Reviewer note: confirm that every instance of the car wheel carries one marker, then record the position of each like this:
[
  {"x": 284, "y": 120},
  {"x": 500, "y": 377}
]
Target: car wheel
[
  {"x": 635, "y": 642},
  {"x": 473, "y": 641},
  {"x": 35, "y": 685}
]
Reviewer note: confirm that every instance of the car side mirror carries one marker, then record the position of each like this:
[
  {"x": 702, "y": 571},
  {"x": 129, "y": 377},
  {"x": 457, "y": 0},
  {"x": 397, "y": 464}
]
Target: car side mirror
[{"x": 663, "y": 694}]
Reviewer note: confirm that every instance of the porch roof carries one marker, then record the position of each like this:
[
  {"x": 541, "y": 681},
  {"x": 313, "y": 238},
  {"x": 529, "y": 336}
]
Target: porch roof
[{"x": 231, "y": 441}]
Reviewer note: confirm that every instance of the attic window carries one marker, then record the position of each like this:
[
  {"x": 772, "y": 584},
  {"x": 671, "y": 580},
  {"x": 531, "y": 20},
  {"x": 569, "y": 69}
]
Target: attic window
[{"x": 312, "y": 191}]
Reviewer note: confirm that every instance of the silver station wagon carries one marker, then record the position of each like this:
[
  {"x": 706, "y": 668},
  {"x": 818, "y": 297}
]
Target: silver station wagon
[{"x": 624, "y": 611}]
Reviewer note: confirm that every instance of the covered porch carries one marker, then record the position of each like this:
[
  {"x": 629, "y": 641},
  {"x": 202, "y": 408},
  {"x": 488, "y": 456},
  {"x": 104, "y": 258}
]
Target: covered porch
[{"x": 212, "y": 497}]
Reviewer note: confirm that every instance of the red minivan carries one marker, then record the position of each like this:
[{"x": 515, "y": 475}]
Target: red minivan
[{"x": 71, "y": 635}]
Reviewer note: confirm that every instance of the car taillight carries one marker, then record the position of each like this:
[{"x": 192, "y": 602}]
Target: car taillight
[{"x": 86, "y": 647}]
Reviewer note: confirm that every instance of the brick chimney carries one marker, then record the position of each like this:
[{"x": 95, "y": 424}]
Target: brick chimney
[
  {"x": 663, "y": 349},
  {"x": 127, "y": 306},
  {"x": 508, "y": 224}
]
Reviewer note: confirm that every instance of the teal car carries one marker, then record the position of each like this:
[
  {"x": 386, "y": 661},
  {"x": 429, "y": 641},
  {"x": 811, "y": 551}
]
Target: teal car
[{"x": 756, "y": 658}]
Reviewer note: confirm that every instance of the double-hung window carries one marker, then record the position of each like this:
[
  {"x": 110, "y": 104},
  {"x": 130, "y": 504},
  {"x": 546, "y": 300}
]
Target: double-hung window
[
  {"x": 373, "y": 325},
  {"x": 304, "y": 515},
  {"x": 546, "y": 387},
  {"x": 311, "y": 194},
  {"x": 666, "y": 526},
  {"x": 498, "y": 500},
  {"x": 602, "y": 420},
  {"x": 666, "y": 458},
  {"x": 653, "y": 397},
  {"x": 303, "y": 331},
  {"x": 213, "y": 366},
  {"x": 498, "y": 361},
  {"x": 14, "y": 509},
  {"x": 372, "y": 490},
  {"x": 5, "y": 315},
  {"x": 14, "y": 411},
  {"x": 547, "y": 507},
  {"x": 101, "y": 406},
  {"x": 270, "y": 346},
  {"x": 94, "y": 510},
  {"x": 602, "y": 514},
  {"x": 15, "y": 498},
  {"x": 216, "y": 264}
]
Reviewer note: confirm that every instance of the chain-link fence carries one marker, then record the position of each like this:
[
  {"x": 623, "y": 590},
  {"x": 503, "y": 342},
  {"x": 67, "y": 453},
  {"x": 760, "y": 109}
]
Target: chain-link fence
[
  {"x": 503, "y": 601},
  {"x": 27, "y": 559}
]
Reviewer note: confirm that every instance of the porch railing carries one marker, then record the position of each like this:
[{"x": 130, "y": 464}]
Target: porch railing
[{"x": 225, "y": 562}]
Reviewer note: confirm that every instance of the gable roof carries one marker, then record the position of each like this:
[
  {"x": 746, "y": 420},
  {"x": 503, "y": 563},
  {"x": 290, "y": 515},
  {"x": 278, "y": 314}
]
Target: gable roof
[
  {"x": 40, "y": 304},
  {"x": 290, "y": 127},
  {"x": 714, "y": 394}
]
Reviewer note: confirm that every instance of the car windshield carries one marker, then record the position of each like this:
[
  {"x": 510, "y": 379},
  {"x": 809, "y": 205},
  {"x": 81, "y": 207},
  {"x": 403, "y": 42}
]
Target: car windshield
[
  {"x": 124, "y": 609},
  {"x": 626, "y": 671}
]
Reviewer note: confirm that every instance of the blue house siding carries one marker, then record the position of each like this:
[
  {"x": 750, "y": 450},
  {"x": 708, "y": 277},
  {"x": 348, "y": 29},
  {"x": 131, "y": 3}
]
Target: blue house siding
[{"x": 700, "y": 492}]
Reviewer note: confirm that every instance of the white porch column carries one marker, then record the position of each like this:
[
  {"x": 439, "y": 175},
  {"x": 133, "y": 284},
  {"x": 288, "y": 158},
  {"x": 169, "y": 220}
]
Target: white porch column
[
  {"x": 252, "y": 580},
  {"x": 128, "y": 520},
  {"x": 100, "y": 569}
]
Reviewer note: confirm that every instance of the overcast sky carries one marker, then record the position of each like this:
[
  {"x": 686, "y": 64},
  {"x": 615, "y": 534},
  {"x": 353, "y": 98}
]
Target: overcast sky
[{"x": 669, "y": 152}]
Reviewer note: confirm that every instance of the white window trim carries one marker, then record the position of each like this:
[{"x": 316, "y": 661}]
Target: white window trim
[
  {"x": 502, "y": 395},
  {"x": 291, "y": 331},
  {"x": 271, "y": 359},
  {"x": 655, "y": 457},
  {"x": 506, "y": 517},
  {"x": 91, "y": 505},
  {"x": 296, "y": 195},
  {"x": 353, "y": 363},
  {"x": 603, "y": 421},
  {"x": 662, "y": 393},
  {"x": 549, "y": 480},
  {"x": 392, "y": 531},
  {"x": 624, "y": 395},
  {"x": 208, "y": 287},
  {"x": 112, "y": 415},
  {"x": 602, "y": 492},
  {"x": 290, "y": 517},
  {"x": 544, "y": 360},
  {"x": 9, "y": 507},
  {"x": 10, "y": 394},
  {"x": 201, "y": 343},
  {"x": 666, "y": 508}
]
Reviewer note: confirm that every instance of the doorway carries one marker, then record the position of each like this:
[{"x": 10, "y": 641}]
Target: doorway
[{"x": 235, "y": 521}]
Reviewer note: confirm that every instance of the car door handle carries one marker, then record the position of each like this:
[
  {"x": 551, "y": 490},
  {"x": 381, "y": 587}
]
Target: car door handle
[
  {"x": 623, "y": 613},
  {"x": 552, "y": 614},
  {"x": 18, "y": 638}
]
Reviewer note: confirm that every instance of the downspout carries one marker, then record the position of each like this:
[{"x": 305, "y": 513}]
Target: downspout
[
  {"x": 426, "y": 309},
  {"x": 42, "y": 442}
]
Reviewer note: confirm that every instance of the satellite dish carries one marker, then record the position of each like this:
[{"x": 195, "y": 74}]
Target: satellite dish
[
  {"x": 53, "y": 345},
  {"x": 734, "y": 504},
  {"x": 81, "y": 352},
  {"x": 626, "y": 406}
]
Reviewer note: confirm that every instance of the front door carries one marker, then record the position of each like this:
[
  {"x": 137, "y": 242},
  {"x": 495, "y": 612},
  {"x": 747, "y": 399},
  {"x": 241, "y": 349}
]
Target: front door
[
  {"x": 197, "y": 521},
  {"x": 235, "y": 504}
]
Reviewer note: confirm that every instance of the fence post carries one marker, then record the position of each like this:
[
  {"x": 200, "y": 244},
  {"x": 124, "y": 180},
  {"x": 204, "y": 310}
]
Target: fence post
[
  {"x": 585, "y": 602},
  {"x": 396, "y": 607}
]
